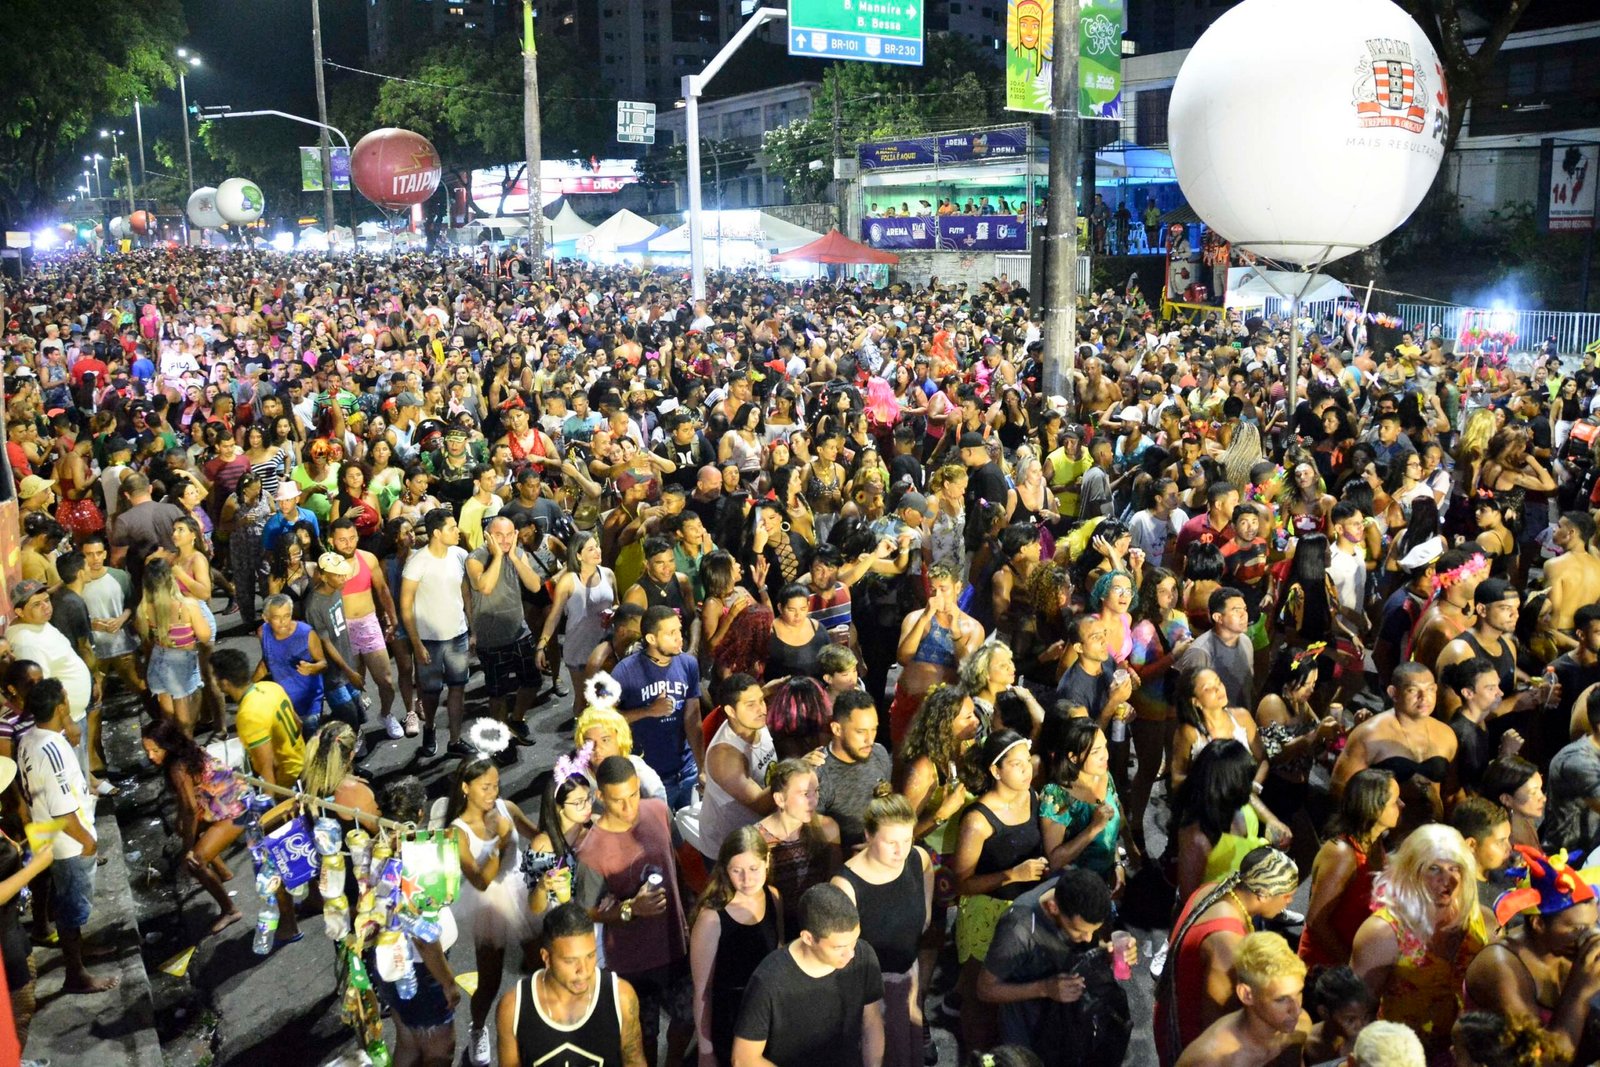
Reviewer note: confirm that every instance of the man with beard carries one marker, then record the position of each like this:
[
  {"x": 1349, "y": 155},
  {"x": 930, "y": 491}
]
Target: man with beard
[{"x": 1549, "y": 966}]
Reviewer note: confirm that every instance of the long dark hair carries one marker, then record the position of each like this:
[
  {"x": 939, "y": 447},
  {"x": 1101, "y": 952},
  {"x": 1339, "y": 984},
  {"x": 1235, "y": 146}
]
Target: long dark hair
[
  {"x": 1076, "y": 739},
  {"x": 1147, "y": 608},
  {"x": 181, "y": 749},
  {"x": 1219, "y": 783},
  {"x": 1365, "y": 796},
  {"x": 1309, "y": 571},
  {"x": 550, "y": 802},
  {"x": 469, "y": 770}
]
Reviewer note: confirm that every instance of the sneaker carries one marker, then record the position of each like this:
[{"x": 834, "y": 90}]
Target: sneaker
[
  {"x": 392, "y": 727},
  {"x": 413, "y": 723},
  {"x": 361, "y": 746},
  {"x": 506, "y": 757},
  {"x": 520, "y": 734},
  {"x": 430, "y": 743},
  {"x": 480, "y": 1046},
  {"x": 1158, "y": 962},
  {"x": 1289, "y": 917},
  {"x": 460, "y": 748}
]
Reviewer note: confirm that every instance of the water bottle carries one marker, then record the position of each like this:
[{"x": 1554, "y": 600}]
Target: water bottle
[
  {"x": 419, "y": 927},
  {"x": 266, "y": 929},
  {"x": 405, "y": 986},
  {"x": 1549, "y": 685}
]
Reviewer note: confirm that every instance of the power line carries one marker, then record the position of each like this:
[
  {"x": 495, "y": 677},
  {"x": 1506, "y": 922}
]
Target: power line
[{"x": 456, "y": 88}]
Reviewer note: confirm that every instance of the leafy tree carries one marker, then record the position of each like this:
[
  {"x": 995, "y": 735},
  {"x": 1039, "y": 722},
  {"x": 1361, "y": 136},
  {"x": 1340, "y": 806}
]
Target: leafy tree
[
  {"x": 957, "y": 88},
  {"x": 64, "y": 66},
  {"x": 719, "y": 161},
  {"x": 266, "y": 151}
]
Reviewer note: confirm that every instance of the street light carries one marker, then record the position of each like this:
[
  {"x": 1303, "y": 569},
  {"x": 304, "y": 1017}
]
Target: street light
[
  {"x": 192, "y": 60},
  {"x": 99, "y": 185}
]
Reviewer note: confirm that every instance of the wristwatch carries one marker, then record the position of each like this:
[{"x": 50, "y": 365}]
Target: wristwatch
[{"x": 627, "y": 911}]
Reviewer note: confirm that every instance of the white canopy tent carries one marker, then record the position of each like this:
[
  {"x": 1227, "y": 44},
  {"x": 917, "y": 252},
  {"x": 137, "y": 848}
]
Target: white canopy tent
[
  {"x": 566, "y": 226},
  {"x": 746, "y": 226},
  {"x": 623, "y": 228},
  {"x": 1252, "y": 287}
]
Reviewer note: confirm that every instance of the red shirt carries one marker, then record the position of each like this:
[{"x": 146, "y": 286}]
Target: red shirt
[
  {"x": 20, "y": 467},
  {"x": 1199, "y": 529}
]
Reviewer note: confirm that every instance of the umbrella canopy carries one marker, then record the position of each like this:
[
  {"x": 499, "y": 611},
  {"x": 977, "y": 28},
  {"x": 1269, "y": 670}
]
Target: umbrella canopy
[
  {"x": 835, "y": 247},
  {"x": 567, "y": 225},
  {"x": 738, "y": 224}
]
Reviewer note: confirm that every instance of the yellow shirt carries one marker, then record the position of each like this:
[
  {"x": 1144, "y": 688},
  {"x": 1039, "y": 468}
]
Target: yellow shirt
[
  {"x": 267, "y": 715},
  {"x": 1064, "y": 471}
]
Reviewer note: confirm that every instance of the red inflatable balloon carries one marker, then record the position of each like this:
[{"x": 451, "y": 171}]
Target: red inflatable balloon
[
  {"x": 395, "y": 168},
  {"x": 141, "y": 221}
]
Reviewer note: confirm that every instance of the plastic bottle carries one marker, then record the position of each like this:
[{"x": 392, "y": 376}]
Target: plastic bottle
[
  {"x": 1549, "y": 686},
  {"x": 266, "y": 929},
  {"x": 405, "y": 986}
]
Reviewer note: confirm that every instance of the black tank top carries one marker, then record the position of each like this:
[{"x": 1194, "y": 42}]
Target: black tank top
[
  {"x": 1529, "y": 724},
  {"x": 1505, "y": 664},
  {"x": 669, "y": 595},
  {"x": 596, "y": 1041},
  {"x": 1008, "y": 846},
  {"x": 740, "y": 950},
  {"x": 784, "y": 659},
  {"x": 892, "y": 914}
]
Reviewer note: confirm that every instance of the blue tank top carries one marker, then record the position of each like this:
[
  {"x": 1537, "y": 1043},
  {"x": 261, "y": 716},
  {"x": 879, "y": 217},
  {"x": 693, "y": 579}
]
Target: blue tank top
[{"x": 282, "y": 657}]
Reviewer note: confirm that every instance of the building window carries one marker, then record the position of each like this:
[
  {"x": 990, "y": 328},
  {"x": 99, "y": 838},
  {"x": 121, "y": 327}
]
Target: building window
[{"x": 1151, "y": 110}]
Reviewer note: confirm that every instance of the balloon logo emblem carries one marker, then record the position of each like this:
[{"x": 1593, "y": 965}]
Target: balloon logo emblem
[
  {"x": 1391, "y": 90},
  {"x": 253, "y": 200}
]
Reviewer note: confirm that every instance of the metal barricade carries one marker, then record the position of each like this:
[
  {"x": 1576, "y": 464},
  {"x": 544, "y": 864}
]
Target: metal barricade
[{"x": 1518, "y": 331}]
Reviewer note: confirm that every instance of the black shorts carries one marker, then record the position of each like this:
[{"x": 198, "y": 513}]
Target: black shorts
[{"x": 510, "y": 667}]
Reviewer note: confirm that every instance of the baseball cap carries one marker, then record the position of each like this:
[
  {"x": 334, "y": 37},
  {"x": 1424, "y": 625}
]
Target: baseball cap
[
  {"x": 333, "y": 563},
  {"x": 408, "y": 400},
  {"x": 916, "y": 502},
  {"x": 24, "y": 591},
  {"x": 118, "y": 444},
  {"x": 972, "y": 440}
]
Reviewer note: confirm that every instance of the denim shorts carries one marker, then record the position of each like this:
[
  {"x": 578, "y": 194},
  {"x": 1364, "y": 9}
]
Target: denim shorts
[
  {"x": 447, "y": 664},
  {"x": 73, "y": 880},
  {"x": 174, "y": 672}
]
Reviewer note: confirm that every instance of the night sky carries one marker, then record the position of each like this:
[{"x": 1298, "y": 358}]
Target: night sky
[{"x": 257, "y": 54}]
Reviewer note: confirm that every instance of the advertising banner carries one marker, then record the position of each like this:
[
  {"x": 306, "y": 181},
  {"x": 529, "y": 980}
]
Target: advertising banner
[
  {"x": 950, "y": 233},
  {"x": 311, "y": 169},
  {"x": 992, "y": 144},
  {"x": 1571, "y": 191},
  {"x": 1030, "y": 28},
  {"x": 910, "y": 152},
  {"x": 1100, "y": 59}
]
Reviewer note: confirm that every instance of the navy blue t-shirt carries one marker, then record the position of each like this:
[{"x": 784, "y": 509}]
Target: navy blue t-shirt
[{"x": 660, "y": 742}]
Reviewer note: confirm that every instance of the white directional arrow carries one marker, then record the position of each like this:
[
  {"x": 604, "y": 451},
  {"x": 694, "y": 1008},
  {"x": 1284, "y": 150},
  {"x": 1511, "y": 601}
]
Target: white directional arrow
[
  {"x": 799, "y": 40},
  {"x": 911, "y": 12}
]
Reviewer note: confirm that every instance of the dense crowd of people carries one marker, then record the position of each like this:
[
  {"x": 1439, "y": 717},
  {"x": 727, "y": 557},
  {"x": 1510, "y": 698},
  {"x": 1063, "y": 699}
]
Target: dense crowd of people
[{"x": 904, "y": 687}]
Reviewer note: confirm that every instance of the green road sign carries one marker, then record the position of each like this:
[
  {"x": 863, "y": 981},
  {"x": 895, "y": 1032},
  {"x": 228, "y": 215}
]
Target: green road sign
[{"x": 875, "y": 31}]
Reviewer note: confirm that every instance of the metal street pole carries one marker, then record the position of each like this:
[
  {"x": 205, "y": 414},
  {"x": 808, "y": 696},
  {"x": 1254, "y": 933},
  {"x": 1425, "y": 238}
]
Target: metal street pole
[
  {"x": 838, "y": 151},
  {"x": 533, "y": 140},
  {"x": 693, "y": 86},
  {"x": 322, "y": 117},
  {"x": 1061, "y": 274},
  {"x": 188, "y": 152},
  {"x": 138, "y": 129}
]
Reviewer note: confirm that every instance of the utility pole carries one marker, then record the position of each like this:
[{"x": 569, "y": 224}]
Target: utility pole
[
  {"x": 322, "y": 117},
  {"x": 532, "y": 136},
  {"x": 839, "y": 186},
  {"x": 138, "y": 129},
  {"x": 1061, "y": 274}
]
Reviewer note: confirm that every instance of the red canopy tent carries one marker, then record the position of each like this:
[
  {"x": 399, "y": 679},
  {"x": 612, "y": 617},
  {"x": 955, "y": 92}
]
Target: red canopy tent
[{"x": 835, "y": 247}]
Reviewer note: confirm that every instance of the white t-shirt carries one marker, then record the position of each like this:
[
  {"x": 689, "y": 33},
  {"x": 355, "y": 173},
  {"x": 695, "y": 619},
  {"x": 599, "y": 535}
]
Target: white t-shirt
[
  {"x": 440, "y": 613},
  {"x": 50, "y": 649},
  {"x": 48, "y": 768}
]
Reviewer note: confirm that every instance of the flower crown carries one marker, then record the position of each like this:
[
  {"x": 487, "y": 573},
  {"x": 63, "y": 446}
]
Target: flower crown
[
  {"x": 1470, "y": 569},
  {"x": 603, "y": 691}
]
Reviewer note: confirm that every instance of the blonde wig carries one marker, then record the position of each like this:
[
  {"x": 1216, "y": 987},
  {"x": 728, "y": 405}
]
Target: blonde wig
[{"x": 1400, "y": 887}]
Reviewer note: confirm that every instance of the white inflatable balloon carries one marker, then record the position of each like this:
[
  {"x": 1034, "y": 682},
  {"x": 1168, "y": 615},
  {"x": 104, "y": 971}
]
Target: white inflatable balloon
[
  {"x": 202, "y": 209},
  {"x": 240, "y": 200},
  {"x": 119, "y": 227},
  {"x": 1305, "y": 153}
]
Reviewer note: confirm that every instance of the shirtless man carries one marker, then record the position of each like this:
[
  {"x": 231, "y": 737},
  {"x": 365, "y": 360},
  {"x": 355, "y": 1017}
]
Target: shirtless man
[
  {"x": 1096, "y": 392},
  {"x": 1573, "y": 578},
  {"x": 365, "y": 592},
  {"x": 1271, "y": 1028},
  {"x": 1409, "y": 743},
  {"x": 1456, "y": 575},
  {"x": 1549, "y": 966}
]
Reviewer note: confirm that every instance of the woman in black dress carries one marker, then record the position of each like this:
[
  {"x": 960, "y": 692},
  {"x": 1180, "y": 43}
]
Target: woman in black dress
[{"x": 737, "y": 924}]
